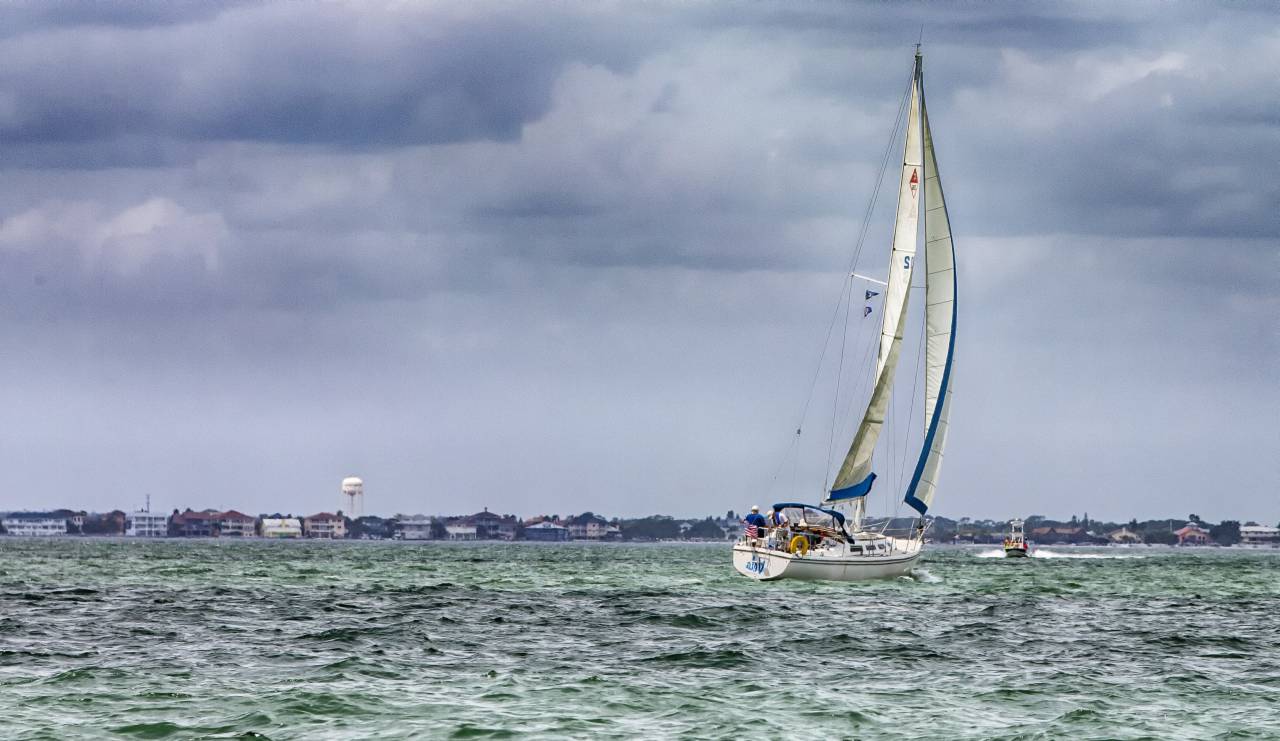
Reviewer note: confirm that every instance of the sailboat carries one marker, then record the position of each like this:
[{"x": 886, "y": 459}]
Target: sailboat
[{"x": 829, "y": 540}]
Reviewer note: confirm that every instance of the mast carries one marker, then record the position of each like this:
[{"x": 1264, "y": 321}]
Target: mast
[
  {"x": 855, "y": 477},
  {"x": 940, "y": 323}
]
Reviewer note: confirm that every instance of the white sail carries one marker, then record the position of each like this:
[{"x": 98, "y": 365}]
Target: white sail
[
  {"x": 940, "y": 325},
  {"x": 855, "y": 476}
]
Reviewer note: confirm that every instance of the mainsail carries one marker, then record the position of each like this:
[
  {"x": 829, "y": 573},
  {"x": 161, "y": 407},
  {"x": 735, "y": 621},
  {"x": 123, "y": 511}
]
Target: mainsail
[
  {"x": 940, "y": 328},
  {"x": 855, "y": 476}
]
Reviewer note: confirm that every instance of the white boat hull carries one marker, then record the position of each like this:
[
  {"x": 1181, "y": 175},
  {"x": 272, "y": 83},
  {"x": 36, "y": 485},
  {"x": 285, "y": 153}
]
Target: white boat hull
[{"x": 765, "y": 564}]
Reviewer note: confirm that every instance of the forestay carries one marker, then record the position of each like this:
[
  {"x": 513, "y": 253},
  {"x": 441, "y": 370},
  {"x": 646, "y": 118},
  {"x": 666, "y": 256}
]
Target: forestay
[{"x": 855, "y": 476}]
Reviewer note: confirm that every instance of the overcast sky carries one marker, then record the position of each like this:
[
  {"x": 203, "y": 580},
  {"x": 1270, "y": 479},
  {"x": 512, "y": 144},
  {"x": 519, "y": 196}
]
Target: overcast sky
[{"x": 550, "y": 257}]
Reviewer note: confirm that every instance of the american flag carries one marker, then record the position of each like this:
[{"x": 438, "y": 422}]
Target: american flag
[{"x": 752, "y": 530}]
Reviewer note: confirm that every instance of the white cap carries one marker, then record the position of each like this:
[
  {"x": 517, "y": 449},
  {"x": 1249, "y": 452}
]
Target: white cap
[{"x": 755, "y": 508}]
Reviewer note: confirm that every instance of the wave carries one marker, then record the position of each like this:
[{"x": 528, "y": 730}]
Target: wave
[
  {"x": 1044, "y": 553},
  {"x": 923, "y": 575},
  {"x": 705, "y": 659}
]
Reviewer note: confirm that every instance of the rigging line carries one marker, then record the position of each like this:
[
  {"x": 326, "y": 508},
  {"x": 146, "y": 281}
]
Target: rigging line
[
  {"x": 786, "y": 455},
  {"x": 884, "y": 165},
  {"x": 862, "y": 234},
  {"x": 835, "y": 403},
  {"x": 864, "y": 375},
  {"x": 915, "y": 382},
  {"x": 864, "y": 381},
  {"x": 858, "y": 371},
  {"x": 795, "y": 464},
  {"x": 898, "y": 463},
  {"x": 866, "y": 224},
  {"x": 792, "y": 453},
  {"x": 890, "y": 430}
]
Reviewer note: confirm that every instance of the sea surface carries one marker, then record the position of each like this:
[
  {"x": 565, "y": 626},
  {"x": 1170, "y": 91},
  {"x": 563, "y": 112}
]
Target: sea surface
[{"x": 291, "y": 640}]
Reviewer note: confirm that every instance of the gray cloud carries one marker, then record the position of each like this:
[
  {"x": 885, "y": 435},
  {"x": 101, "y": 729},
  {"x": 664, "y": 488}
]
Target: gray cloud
[
  {"x": 332, "y": 75},
  {"x": 570, "y": 258}
]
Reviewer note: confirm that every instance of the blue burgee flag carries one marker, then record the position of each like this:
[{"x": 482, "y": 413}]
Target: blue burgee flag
[
  {"x": 866, "y": 311},
  {"x": 870, "y": 294}
]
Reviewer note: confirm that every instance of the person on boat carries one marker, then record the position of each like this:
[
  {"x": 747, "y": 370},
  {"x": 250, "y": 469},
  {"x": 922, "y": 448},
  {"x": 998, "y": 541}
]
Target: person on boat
[{"x": 756, "y": 520}]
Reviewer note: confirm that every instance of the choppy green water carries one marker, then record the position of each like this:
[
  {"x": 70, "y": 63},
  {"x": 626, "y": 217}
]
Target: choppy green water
[{"x": 360, "y": 640}]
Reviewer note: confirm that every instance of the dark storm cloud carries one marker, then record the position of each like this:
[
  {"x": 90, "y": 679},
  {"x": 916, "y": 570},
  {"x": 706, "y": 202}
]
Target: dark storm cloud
[
  {"x": 21, "y": 17},
  {"x": 571, "y": 256},
  {"x": 1133, "y": 142},
  {"x": 331, "y": 74},
  {"x": 872, "y": 23}
]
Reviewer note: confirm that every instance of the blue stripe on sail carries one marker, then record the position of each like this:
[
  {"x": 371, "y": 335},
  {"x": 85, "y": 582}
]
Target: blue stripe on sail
[
  {"x": 859, "y": 489},
  {"x": 911, "y": 497}
]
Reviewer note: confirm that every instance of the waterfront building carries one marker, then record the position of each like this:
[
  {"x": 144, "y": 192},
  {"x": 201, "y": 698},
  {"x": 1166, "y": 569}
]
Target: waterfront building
[
  {"x": 1124, "y": 536},
  {"x": 281, "y": 527},
  {"x": 104, "y": 523},
  {"x": 1192, "y": 534},
  {"x": 368, "y": 527},
  {"x": 233, "y": 524},
  {"x": 74, "y": 520},
  {"x": 460, "y": 532},
  {"x": 588, "y": 526},
  {"x": 1052, "y": 534},
  {"x": 1259, "y": 535},
  {"x": 144, "y": 524},
  {"x": 491, "y": 526},
  {"x": 191, "y": 524},
  {"x": 34, "y": 524},
  {"x": 546, "y": 531},
  {"x": 416, "y": 527},
  {"x": 325, "y": 525}
]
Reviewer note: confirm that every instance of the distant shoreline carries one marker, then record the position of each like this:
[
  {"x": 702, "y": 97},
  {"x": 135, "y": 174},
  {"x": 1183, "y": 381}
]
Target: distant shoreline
[{"x": 325, "y": 542}]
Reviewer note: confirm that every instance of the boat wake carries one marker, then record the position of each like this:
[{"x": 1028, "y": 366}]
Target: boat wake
[
  {"x": 1043, "y": 553},
  {"x": 923, "y": 576}
]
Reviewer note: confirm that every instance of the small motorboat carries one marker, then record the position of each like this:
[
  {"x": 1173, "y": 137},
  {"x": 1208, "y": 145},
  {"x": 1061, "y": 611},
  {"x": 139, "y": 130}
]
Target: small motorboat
[{"x": 1015, "y": 543}]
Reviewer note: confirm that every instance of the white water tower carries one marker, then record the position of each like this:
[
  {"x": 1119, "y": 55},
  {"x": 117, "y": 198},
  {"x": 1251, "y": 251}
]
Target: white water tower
[{"x": 353, "y": 491}]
